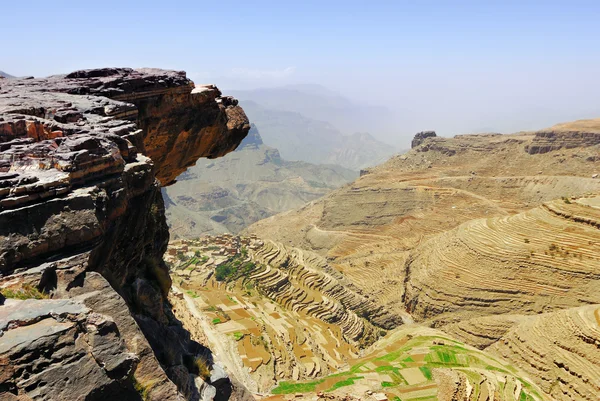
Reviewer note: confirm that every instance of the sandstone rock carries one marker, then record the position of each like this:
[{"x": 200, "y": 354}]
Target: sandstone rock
[
  {"x": 82, "y": 217},
  {"x": 59, "y": 349}
]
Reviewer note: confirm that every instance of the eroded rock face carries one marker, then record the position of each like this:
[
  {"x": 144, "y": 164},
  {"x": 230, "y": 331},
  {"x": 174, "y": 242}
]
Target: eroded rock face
[
  {"x": 569, "y": 135},
  {"x": 60, "y": 349},
  {"x": 547, "y": 141},
  {"x": 421, "y": 136},
  {"x": 160, "y": 112},
  {"x": 82, "y": 159}
]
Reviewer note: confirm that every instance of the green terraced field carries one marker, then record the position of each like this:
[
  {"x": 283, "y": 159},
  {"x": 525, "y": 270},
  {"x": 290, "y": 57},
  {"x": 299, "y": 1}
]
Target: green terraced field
[{"x": 404, "y": 367}]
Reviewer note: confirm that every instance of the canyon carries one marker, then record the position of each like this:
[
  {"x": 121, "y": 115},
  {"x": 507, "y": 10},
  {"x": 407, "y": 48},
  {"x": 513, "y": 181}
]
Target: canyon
[
  {"x": 491, "y": 239},
  {"x": 228, "y": 194},
  {"x": 463, "y": 270}
]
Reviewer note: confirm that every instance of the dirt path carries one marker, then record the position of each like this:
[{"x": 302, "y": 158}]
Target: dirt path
[{"x": 224, "y": 349}]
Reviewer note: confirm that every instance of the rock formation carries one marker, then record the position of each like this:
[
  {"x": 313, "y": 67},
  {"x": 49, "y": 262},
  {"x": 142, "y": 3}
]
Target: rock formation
[
  {"x": 420, "y": 138},
  {"x": 571, "y": 135},
  {"x": 82, "y": 158}
]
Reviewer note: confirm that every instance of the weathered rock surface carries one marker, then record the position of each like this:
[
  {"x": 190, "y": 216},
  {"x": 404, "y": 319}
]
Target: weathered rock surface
[
  {"x": 571, "y": 135},
  {"x": 82, "y": 217},
  {"x": 420, "y": 137},
  {"x": 61, "y": 350},
  {"x": 160, "y": 112}
]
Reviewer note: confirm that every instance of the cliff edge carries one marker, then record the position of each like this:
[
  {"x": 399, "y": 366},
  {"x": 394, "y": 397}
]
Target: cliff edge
[{"x": 83, "y": 231}]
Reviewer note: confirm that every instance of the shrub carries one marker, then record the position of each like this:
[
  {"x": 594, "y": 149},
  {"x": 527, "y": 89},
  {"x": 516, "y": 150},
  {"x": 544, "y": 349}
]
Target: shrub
[
  {"x": 203, "y": 367},
  {"x": 223, "y": 271},
  {"x": 160, "y": 275},
  {"x": 26, "y": 291},
  {"x": 143, "y": 389}
]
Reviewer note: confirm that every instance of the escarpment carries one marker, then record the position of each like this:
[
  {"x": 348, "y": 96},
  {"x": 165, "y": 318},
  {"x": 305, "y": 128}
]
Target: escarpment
[
  {"x": 571, "y": 135},
  {"x": 82, "y": 159}
]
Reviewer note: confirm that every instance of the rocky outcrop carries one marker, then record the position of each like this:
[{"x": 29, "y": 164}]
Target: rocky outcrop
[
  {"x": 160, "y": 112},
  {"x": 420, "y": 138},
  {"x": 82, "y": 159},
  {"x": 61, "y": 350},
  {"x": 569, "y": 135},
  {"x": 548, "y": 141}
]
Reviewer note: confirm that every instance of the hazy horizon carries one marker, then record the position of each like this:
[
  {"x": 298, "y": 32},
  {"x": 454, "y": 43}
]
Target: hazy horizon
[{"x": 455, "y": 68}]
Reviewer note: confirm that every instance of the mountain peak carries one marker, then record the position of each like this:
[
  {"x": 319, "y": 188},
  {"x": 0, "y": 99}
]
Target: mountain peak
[{"x": 252, "y": 140}]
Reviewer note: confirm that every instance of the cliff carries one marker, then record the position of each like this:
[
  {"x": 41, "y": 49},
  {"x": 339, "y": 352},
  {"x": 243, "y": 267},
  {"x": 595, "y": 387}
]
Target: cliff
[
  {"x": 580, "y": 133},
  {"x": 82, "y": 159}
]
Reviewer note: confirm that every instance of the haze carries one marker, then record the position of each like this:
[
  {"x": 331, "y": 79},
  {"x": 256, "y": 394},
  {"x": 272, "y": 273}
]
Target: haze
[{"x": 454, "y": 67}]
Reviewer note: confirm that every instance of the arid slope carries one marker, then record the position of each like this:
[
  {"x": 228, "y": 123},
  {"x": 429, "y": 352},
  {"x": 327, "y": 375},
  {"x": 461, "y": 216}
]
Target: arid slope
[{"x": 368, "y": 228}]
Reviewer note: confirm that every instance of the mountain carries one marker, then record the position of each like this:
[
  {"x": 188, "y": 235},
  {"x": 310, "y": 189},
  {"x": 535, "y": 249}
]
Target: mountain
[
  {"x": 491, "y": 239},
  {"x": 252, "y": 183},
  {"x": 319, "y": 103},
  {"x": 315, "y": 141},
  {"x": 5, "y": 75}
]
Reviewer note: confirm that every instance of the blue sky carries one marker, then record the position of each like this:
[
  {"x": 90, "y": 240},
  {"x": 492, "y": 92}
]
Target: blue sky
[{"x": 454, "y": 66}]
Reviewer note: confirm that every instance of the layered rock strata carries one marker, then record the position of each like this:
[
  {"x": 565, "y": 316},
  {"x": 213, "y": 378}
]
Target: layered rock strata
[
  {"x": 82, "y": 159},
  {"x": 581, "y": 133}
]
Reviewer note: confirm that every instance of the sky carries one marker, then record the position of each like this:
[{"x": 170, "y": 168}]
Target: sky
[{"x": 451, "y": 66}]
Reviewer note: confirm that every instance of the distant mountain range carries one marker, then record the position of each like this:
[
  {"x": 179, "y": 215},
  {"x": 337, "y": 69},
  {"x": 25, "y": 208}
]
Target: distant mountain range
[
  {"x": 319, "y": 103},
  {"x": 5, "y": 75},
  {"x": 299, "y": 137},
  {"x": 250, "y": 184}
]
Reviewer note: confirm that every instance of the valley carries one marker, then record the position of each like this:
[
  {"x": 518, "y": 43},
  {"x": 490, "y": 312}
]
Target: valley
[
  {"x": 254, "y": 182},
  {"x": 451, "y": 272},
  {"x": 275, "y": 313}
]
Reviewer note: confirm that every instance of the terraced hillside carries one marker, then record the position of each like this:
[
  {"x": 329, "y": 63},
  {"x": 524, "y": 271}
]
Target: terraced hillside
[
  {"x": 494, "y": 239},
  {"x": 289, "y": 314},
  {"x": 560, "y": 350},
  {"x": 544, "y": 259},
  {"x": 417, "y": 363},
  {"x": 368, "y": 228},
  {"x": 298, "y": 326}
]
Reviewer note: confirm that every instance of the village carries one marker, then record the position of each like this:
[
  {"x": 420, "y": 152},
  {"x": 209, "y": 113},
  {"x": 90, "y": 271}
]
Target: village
[{"x": 185, "y": 256}]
